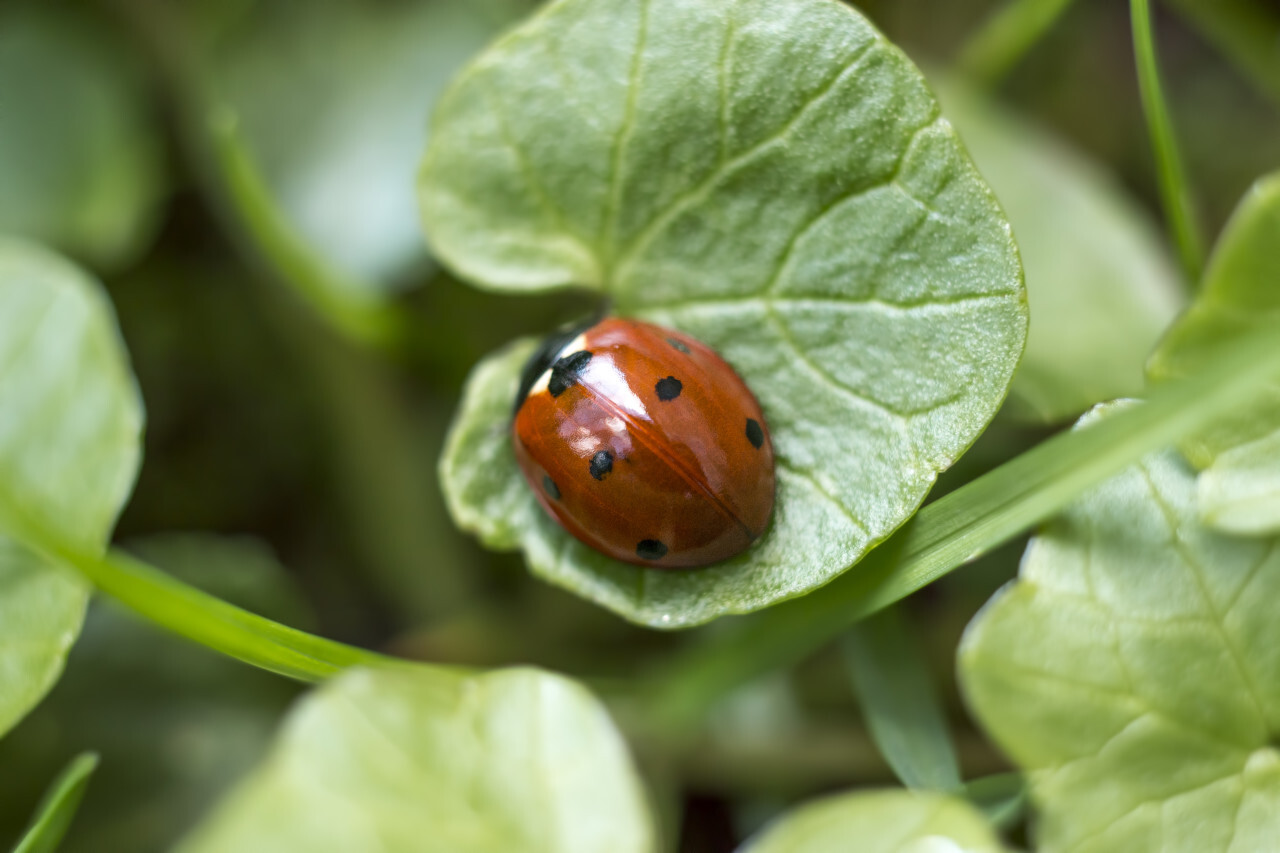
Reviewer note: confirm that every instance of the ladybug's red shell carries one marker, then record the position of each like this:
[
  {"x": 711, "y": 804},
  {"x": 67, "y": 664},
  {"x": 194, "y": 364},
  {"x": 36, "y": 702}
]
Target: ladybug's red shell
[{"x": 645, "y": 445}]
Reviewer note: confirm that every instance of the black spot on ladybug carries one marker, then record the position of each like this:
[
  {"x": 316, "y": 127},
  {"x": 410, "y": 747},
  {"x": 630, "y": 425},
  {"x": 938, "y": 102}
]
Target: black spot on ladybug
[
  {"x": 549, "y": 486},
  {"x": 601, "y": 464},
  {"x": 668, "y": 389},
  {"x": 684, "y": 349},
  {"x": 651, "y": 549},
  {"x": 755, "y": 434},
  {"x": 565, "y": 372}
]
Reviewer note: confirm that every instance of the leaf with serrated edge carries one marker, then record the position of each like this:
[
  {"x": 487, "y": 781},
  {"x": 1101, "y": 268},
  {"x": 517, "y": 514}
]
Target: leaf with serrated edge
[
  {"x": 1239, "y": 484},
  {"x": 1132, "y": 670},
  {"x": 70, "y": 424},
  {"x": 418, "y": 760},
  {"x": 773, "y": 179},
  {"x": 891, "y": 821}
]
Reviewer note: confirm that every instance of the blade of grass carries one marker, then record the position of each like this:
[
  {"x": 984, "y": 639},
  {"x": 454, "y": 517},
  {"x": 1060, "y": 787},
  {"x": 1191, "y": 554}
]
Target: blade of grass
[
  {"x": 899, "y": 703},
  {"x": 955, "y": 530},
  {"x": 1006, "y": 37},
  {"x": 58, "y": 807},
  {"x": 1175, "y": 192}
]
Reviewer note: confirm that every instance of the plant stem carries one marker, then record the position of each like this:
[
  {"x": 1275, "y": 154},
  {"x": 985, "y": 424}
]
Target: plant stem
[
  {"x": 58, "y": 808},
  {"x": 1175, "y": 193},
  {"x": 957, "y": 529},
  {"x": 1006, "y": 37}
]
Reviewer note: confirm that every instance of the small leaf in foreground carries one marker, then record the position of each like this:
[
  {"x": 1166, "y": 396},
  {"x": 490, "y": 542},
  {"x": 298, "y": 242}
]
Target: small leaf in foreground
[
  {"x": 890, "y": 821},
  {"x": 774, "y": 179},
  {"x": 418, "y": 759},
  {"x": 58, "y": 807},
  {"x": 70, "y": 423},
  {"x": 1132, "y": 670},
  {"x": 1239, "y": 460}
]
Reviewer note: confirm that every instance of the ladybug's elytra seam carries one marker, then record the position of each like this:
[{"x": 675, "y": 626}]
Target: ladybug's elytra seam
[{"x": 643, "y": 437}]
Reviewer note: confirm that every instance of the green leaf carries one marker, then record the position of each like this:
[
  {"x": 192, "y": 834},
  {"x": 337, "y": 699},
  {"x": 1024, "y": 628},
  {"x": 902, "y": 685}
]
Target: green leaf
[
  {"x": 332, "y": 99},
  {"x": 1099, "y": 281},
  {"x": 899, "y": 703},
  {"x": 1131, "y": 670},
  {"x": 58, "y": 807},
  {"x": 85, "y": 175},
  {"x": 1002, "y": 797},
  {"x": 70, "y": 422},
  {"x": 773, "y": 179},
  {"x": 889, "y": 821},
  {"x": 1239, "y": 484},
  {"x": 408, "y": 760}
]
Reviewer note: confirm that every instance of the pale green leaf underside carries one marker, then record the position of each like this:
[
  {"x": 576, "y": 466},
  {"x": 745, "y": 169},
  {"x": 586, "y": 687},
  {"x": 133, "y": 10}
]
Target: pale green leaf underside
[
  {"x": 70, "y": 422},
  {"x": 773, "y": 179},
  {"x": 891, "y": 821},
  {"x": 1134, "y": 671},
  {"x": 1100, "y": 286},
  {"x": 421, "y": 760},
  {"x": 79, "y": 164},
  {"x": 1239, "y": 484}
]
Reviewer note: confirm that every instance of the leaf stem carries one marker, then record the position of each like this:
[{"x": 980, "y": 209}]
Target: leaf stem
[
  {"x": 1006, "y": 37},
  {"x": 1175, "y": 193},
  {"x": 957, "y": 529}
]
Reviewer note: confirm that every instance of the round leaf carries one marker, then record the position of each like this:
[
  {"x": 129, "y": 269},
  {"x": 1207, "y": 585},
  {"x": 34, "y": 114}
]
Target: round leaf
[
  {"x": 881, "y": 822},
  {"x": 1239, "y": 485},
  {"x": 773, "y": 179},
  {"x": 79, "y": 158},
  {"x": 411, "y": 760},
  {"x": 1100, "y": 285},
  {"x": 70, "y": 419},
  {"x": 1132, "y": 669}
]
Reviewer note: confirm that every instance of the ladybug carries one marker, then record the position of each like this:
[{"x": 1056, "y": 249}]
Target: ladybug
[{"x": 644, "y": 444}]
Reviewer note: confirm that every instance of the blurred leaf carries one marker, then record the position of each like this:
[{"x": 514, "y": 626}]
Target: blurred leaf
[
  {"x": 419, "y": 759},
  {"x": 889, "y": 821},
  {"x": 175, "y": 725},
  {"x": 333, "y": 100},
  {"x": 814, "y": 221},
  {"x": 1131, "y": 670},
  {"x": 1001, "y": 797},
  {"x": 1239, "y": 487},
  {"x": 1247, "y": 31},
  {"x": 1010, "y": 31},
  {"x": 70, "y": 424},
  {"x": 1100, "y": 285},
  {"x": 58, "y": 808},
  {"x": 898, "y": 701},
  {"x": 80, "y": 164}
]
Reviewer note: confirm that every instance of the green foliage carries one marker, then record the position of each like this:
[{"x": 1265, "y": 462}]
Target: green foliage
[
  {"x": 59, "y": 806},
  {"x": 70, "y": 423},
  {"x": 84, "y": 176},
  {"x": 1100, "y": 283},
  {"x": 423, "y": 760},
  {"x": 1239, "y": 484},
  {"x": 899, "y": 703},
  {"x": 1131, "y": 671},
  {"x": 836, "y": 247},
  {"x": 881, "y": 822}
]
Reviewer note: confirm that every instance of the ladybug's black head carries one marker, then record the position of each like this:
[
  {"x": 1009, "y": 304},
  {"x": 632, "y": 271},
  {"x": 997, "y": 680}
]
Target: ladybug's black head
[{"x": 545, "y": 355}]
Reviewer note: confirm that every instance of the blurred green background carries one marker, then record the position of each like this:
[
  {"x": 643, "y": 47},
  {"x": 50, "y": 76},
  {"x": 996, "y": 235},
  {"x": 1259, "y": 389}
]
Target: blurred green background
[{"x": 240, "y": 174}]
